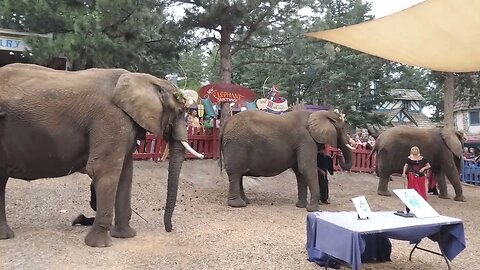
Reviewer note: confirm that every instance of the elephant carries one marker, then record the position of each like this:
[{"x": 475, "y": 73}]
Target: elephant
[
  {"x": 54, "y": 123},
  {"x": 257, "y": 143},
  {"x": 442, "y": 148}
]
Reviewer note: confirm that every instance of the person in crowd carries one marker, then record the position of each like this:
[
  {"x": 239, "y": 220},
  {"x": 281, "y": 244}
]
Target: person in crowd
[
  {"x": 194, "y": 120},
  {"x": 363, "y": 137},
  {"x": 414, "y": 171},
  {"x": 324, "y": 166}
]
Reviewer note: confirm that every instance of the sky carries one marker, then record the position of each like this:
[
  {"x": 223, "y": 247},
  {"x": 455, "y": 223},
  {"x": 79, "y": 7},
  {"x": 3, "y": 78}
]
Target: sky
[{"x": 382, "y": 8}]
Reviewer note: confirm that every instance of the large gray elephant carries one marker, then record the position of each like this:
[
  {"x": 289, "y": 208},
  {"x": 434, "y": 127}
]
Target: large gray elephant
[
  {"x": 441, "y": 147},
  {"x": 54, "y": 123},
  {"x": 257, "y": 143}
]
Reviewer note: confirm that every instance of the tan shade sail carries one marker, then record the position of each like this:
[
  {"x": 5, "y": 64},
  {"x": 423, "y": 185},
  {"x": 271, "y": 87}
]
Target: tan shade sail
[{"x": 441, "y": 35}]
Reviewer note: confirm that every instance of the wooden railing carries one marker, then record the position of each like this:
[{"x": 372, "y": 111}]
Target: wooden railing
[
  {"x": 202, "y": 140},
  {"x": 361, "y": 159},
  {"x": 206, "y": 141}
]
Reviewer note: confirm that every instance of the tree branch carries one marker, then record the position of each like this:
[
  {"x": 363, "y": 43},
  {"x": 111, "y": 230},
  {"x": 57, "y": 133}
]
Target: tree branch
[
  {"x": 252, "y": 28},
  {"x": 270, "y": 62},
  {"x": 248, "y": 45}
]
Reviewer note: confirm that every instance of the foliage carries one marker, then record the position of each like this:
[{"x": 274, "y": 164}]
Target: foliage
[
  {"x": 256, "y": 43},
  {"x": 131, "y": 34}
]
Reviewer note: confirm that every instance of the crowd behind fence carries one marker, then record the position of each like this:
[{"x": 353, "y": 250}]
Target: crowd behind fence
[{"x": 206, "y": 141}]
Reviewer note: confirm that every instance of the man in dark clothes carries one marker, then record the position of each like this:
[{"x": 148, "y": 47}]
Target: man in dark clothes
[{"x": 324, "y": 165}]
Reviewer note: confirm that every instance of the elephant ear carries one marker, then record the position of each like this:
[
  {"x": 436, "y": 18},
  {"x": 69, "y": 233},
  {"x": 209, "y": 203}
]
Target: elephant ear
[
  {"x": 453, "y": 140},
  {"x": 323, "y": 127},
  {"x": 144, "y": 98}
]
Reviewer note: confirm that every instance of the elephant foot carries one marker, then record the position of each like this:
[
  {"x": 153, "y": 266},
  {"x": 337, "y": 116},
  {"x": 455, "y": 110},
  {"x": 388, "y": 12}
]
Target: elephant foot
[
  {"x": 6, "y": 232},
  {"x": 444, "y": 196},
  {"x": 313, "y": 207},
  {"x": 460, "y": 198},
  {"x": 239, "y": 202},
  {"x": 246, "y": 200},
  {"x": 96, "y": 238},
  {"x": 384, "y": 192},
  {"x": 122, "y": 232},
  {"x": 301, "y": 204}
]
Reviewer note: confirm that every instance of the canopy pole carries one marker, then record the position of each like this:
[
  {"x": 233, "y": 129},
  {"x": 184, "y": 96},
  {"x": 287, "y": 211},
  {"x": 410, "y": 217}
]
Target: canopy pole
[{"x": 449, "y": 100}]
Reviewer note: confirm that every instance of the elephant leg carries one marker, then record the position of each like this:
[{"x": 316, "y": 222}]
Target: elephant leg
[
  {"x": 234, "y": 192},
  {"x": 442, "y": 185},
  {"x": 302, "y": 189},
  {"x": 123, "y": 208},
  {"x": 93, "y": 197},
  {"x": 307, "y": 166},
  {"x": 384, "y": 179},
  {"x": 105, "y": 172},
  {"x": 5, "y": 231},
  {"x": 454, "y": 178},
  {"x": 242, "y": 193}
]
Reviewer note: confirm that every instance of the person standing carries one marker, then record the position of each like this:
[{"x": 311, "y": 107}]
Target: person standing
[
  {"x": 414, "y": 171},
  {"x": 324, "y": 166}
]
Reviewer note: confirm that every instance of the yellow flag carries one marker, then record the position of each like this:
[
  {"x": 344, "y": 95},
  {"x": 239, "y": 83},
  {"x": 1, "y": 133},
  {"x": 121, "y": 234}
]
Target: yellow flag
[{"x": 201, "y": 109}]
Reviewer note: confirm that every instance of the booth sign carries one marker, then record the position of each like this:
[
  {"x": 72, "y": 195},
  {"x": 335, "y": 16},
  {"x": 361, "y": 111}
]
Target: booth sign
[
  {"x": 264, "y": 104},
  {"x": 12, "y": 44},
  {"x": 226, "y": 92}
]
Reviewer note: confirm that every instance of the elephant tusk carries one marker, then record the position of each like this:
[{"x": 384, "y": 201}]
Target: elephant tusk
[{"x": 190, "y": 149}]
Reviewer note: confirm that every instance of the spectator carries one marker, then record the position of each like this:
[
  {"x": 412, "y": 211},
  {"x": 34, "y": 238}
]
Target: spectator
[{"x": 194, "y": 120}]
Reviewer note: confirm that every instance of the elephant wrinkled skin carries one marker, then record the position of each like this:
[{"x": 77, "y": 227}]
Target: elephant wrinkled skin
[
  {"x": 54, "y": 123},
  {"x": 441, "y": 147},
  {"x": 257, "y": 143}
]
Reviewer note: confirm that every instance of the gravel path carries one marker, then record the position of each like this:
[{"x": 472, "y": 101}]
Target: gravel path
[{"x": 270, "y": 233}]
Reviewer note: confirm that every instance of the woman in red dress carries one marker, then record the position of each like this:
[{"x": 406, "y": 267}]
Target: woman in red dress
[{"x": 414, "y": 169}]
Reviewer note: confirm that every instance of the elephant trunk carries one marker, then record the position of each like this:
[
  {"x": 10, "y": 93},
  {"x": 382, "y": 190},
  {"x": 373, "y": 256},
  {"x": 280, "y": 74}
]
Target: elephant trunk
[
  {"x": 345, "y": 162},
  {"x": 174, "y": 166}
]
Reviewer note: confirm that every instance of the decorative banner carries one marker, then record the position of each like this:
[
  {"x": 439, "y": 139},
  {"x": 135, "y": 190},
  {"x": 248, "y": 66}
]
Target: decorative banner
[
  {"x": 226, "y": 92},
  {"x": 266, "y": 104},
  {"x": 208, "y": 106},
  {"x": 250, "y": 105}
]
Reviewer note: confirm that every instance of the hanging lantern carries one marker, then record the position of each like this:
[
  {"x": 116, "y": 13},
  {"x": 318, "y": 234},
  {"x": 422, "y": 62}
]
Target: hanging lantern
[{"x": 201, "y": 110}]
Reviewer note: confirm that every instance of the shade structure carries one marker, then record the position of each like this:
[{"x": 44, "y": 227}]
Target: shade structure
[{"x": 441, "y": 35}]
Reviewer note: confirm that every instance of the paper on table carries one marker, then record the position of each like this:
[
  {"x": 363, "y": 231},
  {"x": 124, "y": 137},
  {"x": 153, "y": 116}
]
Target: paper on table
[
  {"x": 362, "y": 207},
  {"x": 416, "y": 203}
]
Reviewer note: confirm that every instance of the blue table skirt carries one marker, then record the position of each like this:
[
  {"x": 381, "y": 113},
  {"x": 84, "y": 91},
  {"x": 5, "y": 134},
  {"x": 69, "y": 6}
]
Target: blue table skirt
[{"x": 354, "y": 247}]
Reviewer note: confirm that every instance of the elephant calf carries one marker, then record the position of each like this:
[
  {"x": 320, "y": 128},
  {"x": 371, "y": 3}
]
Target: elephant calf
[
  {"x": 441, "y": 147},
  {"x": 54, "y": 123},
  {"x": 257, "y": 143}
]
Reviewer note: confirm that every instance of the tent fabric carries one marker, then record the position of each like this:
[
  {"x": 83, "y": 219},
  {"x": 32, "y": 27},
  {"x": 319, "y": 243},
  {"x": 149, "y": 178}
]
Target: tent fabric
[{"x": 441, "y": 35}]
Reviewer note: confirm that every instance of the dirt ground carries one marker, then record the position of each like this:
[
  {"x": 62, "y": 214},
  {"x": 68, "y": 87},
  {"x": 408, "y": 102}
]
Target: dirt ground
[{"x": 270, "y": 233}]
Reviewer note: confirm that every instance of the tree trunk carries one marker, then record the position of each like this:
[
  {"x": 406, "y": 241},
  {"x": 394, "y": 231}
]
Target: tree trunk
[
  {"x": 449, "y": 100},
  {"x": 225, "y": 68}
]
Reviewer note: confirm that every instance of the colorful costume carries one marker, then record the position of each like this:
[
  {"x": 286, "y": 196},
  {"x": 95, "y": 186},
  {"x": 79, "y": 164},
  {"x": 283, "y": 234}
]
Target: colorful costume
[{"x": 416, "y": 179}]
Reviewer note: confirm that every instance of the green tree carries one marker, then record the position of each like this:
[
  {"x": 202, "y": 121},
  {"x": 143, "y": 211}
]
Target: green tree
[
  {"x": 131, "y": 34},
  {"x": 191, "y": 67}
]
